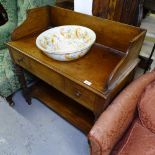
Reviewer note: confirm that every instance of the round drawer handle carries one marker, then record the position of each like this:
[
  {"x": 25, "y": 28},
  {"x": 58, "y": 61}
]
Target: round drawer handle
[
  {"x": 20, "y": 60},
  {"x": 78, "y": 93}
]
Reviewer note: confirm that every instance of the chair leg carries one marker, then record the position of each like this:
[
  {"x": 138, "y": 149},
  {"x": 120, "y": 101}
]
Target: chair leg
[
  {"x": 147, "y": 66},
  {"x": 10, "y": 101}
]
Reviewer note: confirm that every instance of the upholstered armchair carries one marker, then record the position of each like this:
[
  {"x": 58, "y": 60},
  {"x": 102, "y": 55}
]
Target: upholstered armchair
[
  {"x": 16, "y": 11},
  {"x": 127, "y": 126}
]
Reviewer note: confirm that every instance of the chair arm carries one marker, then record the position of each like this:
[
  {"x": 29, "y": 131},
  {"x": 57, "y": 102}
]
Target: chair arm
[
  {"x": 114, "y": 121},
  {"x": 5, "y": 33}
]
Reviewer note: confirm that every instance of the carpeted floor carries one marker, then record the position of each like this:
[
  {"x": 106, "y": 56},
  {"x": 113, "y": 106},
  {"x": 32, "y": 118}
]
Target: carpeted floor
[{"x": 37, "y": 130}]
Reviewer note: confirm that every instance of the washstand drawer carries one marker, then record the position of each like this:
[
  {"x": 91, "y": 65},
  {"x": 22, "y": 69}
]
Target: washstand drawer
[
  {"x": 80, "y": 94},
  {"x": 36, "y": 68},
  {"x": 21, "y": 60}
]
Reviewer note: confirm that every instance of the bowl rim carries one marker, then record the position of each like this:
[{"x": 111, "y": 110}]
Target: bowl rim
[{"x": 74, "y": 51}]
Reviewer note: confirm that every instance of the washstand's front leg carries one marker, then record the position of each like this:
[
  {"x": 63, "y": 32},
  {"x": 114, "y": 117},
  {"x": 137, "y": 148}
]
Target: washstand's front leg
[
  {"x": 10, "y": 101},
  {"x": 23, "y": 84}
]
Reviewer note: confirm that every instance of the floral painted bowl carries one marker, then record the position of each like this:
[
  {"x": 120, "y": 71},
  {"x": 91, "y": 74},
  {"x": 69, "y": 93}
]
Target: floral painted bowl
[{"x": 65, "y": 43}]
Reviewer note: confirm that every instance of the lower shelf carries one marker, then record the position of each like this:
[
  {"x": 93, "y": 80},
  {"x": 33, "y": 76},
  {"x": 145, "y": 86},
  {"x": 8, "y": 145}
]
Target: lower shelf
[{"x": 76, "y": 114}]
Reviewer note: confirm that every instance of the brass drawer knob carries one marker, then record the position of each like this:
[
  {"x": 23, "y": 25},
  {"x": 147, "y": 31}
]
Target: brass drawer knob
[
  {"x": 20, "y": 60},
  {"x": 78, "y": 93}
]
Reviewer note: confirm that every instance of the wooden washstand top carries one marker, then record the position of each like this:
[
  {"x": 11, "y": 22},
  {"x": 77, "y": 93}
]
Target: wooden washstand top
[{"x": 109, "y": 61}]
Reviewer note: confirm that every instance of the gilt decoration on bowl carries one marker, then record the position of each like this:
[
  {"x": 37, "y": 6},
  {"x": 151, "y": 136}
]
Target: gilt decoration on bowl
[{"x": 65, "y": 43}]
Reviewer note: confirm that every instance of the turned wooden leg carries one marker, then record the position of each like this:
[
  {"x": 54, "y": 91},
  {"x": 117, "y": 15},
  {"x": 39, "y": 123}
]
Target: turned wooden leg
[
  {"x": 22, "y": 80},
  {"x": 10, "y": 101}
]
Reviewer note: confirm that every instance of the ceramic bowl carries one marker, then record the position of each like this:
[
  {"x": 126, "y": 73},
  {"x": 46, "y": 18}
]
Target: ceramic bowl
[{"x": 65, "y": 43}]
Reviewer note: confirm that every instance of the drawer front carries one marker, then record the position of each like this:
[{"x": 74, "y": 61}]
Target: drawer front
[
  {"x": 80, "y": 94},
  {"x": 46, "y": 74}
]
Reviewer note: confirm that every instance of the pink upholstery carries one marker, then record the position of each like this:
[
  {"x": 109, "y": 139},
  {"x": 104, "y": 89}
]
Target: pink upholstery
[
  {"x": 146, "y": 107},
  {"x": 140, "y": 141},
  {"x": 114, "y": 121}
]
